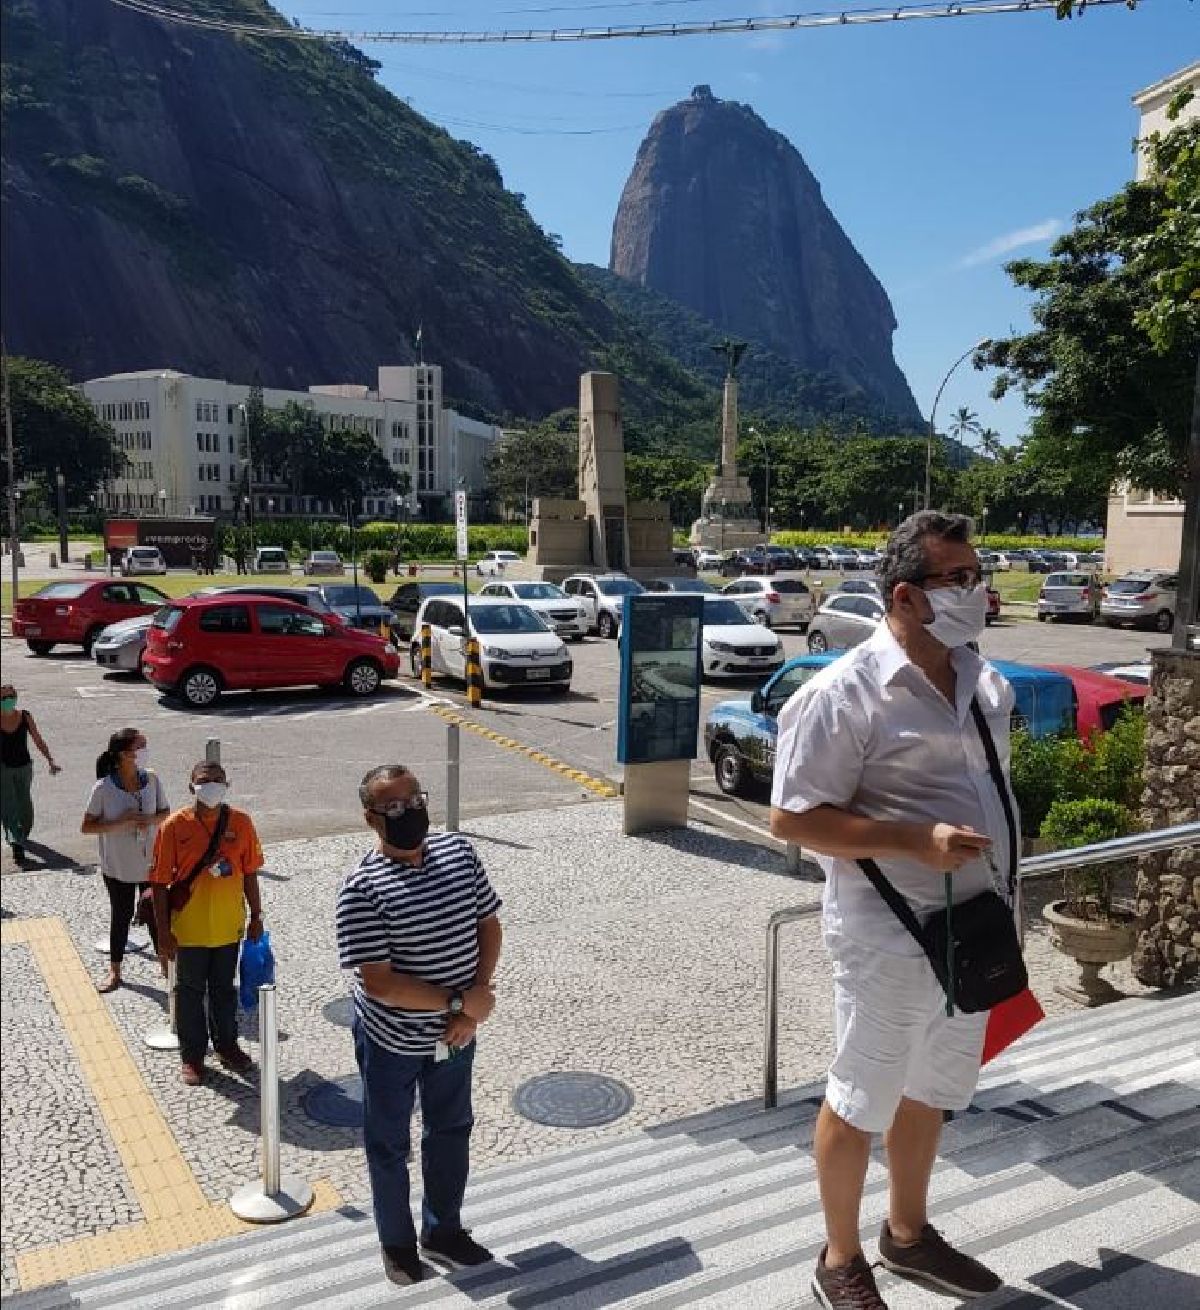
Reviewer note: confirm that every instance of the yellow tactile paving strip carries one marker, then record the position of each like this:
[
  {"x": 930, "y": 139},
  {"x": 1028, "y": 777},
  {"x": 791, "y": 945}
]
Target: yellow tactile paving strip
[
  {"x": 178, "y": 1215},
  {"x": 600, "y": 786}
]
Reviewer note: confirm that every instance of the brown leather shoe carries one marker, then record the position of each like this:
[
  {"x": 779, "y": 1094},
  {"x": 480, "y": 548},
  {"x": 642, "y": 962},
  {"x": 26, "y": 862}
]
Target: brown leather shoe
[
  {"x": 192, "y": 1074},
  {"x": 932, "y": 1260},
  {"x": 849, "y": 1287},
  {"x": 235, "y": 1059}
]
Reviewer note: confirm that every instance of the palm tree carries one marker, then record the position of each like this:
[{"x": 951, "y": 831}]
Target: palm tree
[
  {"x": 964, "y": 423},
  {"x": 989, "y": 442}
]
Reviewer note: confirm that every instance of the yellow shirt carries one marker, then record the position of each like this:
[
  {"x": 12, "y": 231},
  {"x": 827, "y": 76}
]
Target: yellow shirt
[{"x": 215, "y": 914}]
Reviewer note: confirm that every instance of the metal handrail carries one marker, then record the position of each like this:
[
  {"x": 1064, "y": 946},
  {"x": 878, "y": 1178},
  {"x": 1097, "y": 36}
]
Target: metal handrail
[{"x": 1035, "y": 866}]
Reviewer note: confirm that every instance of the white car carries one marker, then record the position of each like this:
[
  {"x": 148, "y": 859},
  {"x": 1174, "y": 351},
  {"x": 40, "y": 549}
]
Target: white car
[
  {"x": 733, "y": 645},
  {"x": 271, "y": 559},
  {"x": 565, "y": 614},
  {"x": 995, "y": 560},
  {"x": 844, "y": 620},
  {"x": 707, "y": 560},
  {"x": 323, "y": 562},
  {"x": 1138, "y": 673},
  {"x": 142, "y": 560},
  {"x": 515, "y": 645},
  {"x": 603, "y": 596},
  {"x": 778, "y": 601},
  {"x": 495, "y": 562}
]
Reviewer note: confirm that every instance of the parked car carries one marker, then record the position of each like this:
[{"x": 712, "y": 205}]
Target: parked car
[
  {"x": 323, "y": 562},
  {"x": 271, "y": 559},
  {"x": 143, "y": 560},
  {"x": 564, "y": 614},
  {"x": 684, "y": 559},
  {"x": 1143, "y": 597},
  {"x": 1099, "y": 698},
  {"x": 707, "y": 560},
  {"x": 201, "y": 647},
  {"x": 741, "y": 563},
  {"x": 516, "y": 646},
  {"x": 1045, "y": 700},
  {"x": 842, "y": 557},
  {"x": 806, "y": 557},
  {"x": 1137, "y": 673},
  {"x": 119, "y": 647},
  {"x": 867, "y": 559},
  {"x": 774, "y": 602},
  {"x": 685, "y": 586},
  {"x": 782, "y": 556},
  {"x": 406, "y": 601},
  {"x": 1068, "y": 595},
  {"x": 843, "y": 621},
  {"x": 494, "y": 562},
  {"x": 857, "y": 587},
  {"x": 732, "y": 644},
  {"x": 822, "y": 557},
  {"x": 603, "y": 595},
  {"x": 76, "y": 613},
  {"x": 997, "y": 561},
  {"x": 357, "y": 606}
]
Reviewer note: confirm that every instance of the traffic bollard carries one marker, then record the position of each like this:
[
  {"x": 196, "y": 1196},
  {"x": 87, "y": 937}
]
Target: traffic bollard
[
  {"x": 426, "y": 655},
  {"x": 276, "y": 1196},
  {"x": 453, "y": 758},
  {"x": 795, "y": 858},
  {"x": 474, "y": 674},
  {"x": 212, "y": 750},
  {"x": 160, "y": 1038}
]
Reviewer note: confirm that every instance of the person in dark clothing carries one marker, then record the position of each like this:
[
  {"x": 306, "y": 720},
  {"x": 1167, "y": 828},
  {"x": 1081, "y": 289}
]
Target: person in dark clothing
[{"x": 16, "y": 770}]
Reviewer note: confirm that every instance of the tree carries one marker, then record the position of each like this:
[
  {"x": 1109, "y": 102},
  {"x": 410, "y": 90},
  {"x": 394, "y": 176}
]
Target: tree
[
  {"x": 332, "y": 465},
  {"x": 539, "y": 461},
  {"x": 55, "y": 427},
  {"x": 964, "y": 424}
]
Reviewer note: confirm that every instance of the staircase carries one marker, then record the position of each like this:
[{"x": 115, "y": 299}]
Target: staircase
[{"x": 1075, "y": 1174}]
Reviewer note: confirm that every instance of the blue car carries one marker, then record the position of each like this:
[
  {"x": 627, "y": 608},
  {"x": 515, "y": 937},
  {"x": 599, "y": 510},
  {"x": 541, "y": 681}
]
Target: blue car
[{"x": 739, "y": 735}]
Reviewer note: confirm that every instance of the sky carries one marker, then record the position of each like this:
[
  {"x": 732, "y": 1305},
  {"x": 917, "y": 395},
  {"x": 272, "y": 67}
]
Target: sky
[{"x": 943, "y": 147}]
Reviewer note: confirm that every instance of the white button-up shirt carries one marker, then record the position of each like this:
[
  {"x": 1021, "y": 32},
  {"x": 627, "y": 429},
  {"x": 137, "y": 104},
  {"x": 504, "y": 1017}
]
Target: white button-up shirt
[{"x": 872, "y": 735}]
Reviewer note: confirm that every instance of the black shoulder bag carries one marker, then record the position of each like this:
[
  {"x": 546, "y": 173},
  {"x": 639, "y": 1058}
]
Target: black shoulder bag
[
  {"x": 973, "y": 947},
  {"x": 180, "y": 891}
]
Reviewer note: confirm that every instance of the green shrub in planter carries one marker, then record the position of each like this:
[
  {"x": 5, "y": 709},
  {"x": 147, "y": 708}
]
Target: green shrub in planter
[
  {"x": 1087, "y": 890},
  {"x": 1117, "y": 759},
  {"x": 375, "y": 565},
  {"x": 1045, "y": 770}
]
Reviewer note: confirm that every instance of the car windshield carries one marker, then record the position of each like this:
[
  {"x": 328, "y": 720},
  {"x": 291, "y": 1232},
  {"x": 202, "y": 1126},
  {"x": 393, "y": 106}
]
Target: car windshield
[
  {"x": 499, "y": 619},
  {"x": 145, "y": 552},
  {"x": 1129, "y": 586},
  {"x": 61, "y": 591},
  {"x": 348, "y": 595},
  {"x": 538, "y": 591},
  {"x": 167, "y": 618},
  {"x": 689, "y": 586},
  {"x": 272, "y": 552},
  {"x": 727, "y": 613},
  {"x": 620, "y": 587},
  {"x": 1066, "y": 580},
  {"x": 325, "y": 556},
  {"x": 789, "y": 586}
]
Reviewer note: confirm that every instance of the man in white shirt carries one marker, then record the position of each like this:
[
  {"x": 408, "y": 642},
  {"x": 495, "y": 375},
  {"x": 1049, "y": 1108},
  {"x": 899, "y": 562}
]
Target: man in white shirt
[{"x": 879, "y": 758}]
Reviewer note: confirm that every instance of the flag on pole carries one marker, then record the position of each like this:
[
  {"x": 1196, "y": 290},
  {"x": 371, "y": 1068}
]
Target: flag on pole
[{"x": 418, "y": 340}]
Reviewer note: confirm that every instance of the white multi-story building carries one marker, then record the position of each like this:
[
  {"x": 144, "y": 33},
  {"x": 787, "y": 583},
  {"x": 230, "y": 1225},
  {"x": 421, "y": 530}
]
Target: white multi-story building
[{"x": 185, "y": 441}]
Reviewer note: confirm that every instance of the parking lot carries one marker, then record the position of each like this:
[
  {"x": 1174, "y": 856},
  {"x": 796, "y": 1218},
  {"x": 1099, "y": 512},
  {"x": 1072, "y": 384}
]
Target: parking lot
[{"x": 295, "y": 757}]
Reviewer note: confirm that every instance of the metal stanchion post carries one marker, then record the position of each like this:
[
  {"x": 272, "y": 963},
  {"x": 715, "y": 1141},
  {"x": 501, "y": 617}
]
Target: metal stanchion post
[
  {"x": 277, "y": 1196},
  {"x": 212, "y": 750},
  {"x": 165, "y": 1039},
  {"x": 771, "y": 1042},
  {"x": 453, "y": 758}
]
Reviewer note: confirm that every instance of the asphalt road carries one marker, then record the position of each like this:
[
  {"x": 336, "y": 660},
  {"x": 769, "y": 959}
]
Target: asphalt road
[{"x": 295, "y": 757}]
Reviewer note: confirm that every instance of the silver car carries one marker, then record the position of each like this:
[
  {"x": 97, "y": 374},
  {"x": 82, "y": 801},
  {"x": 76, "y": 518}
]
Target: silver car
[
  {"x": 1067, "y": 596},
  {"x": 844, "y": 621},
  {"x": 119, "y": 647},
  {"x": 775, "y": 602},
  {"x": 1146, "y": 597}
]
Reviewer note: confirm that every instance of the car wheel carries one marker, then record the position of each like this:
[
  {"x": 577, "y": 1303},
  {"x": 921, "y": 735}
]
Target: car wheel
[
  {"x": 1164, "y": 621},
  {"x": 817, "y": 643},
  {"x": 730, "y": 770},
  {"x": 363, "y": 678},
  {"x": 606, "y": 625},
  {"x": 89, "y": 639},
  {"x": 200, "y": 687},
  {"x": 41, "y": 647},
  {"x": 1041, "y": 618}
]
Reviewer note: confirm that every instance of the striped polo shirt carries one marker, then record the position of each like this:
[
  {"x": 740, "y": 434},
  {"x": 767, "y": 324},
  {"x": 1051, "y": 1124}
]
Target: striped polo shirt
[{"x": 424, "y": 920}]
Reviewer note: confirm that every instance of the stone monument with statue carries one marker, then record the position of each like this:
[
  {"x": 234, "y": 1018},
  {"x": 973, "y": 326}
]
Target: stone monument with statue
[
  {"x": 600, "y": 532},
  {"x": 727, "y": 521}
]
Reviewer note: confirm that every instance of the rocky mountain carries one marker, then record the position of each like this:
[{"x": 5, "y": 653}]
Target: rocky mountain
[
  {"x": 722, "y": 214},
  {"x": 248, "y": 206}
]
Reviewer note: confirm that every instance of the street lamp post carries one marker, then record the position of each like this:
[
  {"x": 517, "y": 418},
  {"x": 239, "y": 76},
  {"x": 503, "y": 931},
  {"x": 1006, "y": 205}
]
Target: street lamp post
[
  {"x": 60, "y": 486},
  {"x": 162, "y": 502},
  {"x": 979, "y": 345},
  {"x": 249, "y": 500},
  {"x": 899, "y": 513},
  {"x": 983, "y": 537},
  {"x": 754, "y": 432}
]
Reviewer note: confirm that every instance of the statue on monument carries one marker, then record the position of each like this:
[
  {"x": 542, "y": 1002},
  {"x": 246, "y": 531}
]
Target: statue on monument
[{"x": 732, "y": 351}]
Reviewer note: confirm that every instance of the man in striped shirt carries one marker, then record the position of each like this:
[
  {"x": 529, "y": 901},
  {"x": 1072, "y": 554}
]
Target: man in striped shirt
[{"x": 417, "y": 922}]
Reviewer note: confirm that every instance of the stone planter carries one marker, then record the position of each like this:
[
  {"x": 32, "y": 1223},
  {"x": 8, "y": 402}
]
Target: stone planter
[{"x": 1091, "y": 943}]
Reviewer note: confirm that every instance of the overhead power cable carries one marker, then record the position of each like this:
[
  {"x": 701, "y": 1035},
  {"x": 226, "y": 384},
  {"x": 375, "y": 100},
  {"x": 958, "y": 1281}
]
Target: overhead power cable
[{"x": 715, "y": 27}]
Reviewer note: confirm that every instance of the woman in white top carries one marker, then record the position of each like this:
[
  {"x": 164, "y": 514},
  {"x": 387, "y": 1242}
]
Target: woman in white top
[{"x": 124, "y": 810}]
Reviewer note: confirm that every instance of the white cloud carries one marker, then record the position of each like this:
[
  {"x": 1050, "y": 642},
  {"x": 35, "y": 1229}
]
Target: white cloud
[{"x": 1034, "y": 235}]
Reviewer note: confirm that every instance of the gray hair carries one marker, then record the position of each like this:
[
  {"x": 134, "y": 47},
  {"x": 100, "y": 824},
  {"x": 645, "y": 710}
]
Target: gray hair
[
  {"x": 904, "y": 558},
  {"x": 380, "y": 773}
]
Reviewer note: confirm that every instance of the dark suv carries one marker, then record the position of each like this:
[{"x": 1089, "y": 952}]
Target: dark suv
[{"x": 407, "y": 599}]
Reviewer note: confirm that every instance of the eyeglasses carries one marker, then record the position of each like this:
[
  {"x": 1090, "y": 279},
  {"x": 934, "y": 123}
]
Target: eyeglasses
[
  {"x": 965, "y": 578},
  {"x": 394, "y": 809}
]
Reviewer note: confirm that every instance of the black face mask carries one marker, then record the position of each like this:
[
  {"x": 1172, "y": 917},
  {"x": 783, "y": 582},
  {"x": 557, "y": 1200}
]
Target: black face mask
[{"x": 406, "y": 831}]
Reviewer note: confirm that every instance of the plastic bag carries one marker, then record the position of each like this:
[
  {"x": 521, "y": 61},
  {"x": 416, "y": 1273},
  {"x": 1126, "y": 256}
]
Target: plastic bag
[{"x": 257, "y": 968}]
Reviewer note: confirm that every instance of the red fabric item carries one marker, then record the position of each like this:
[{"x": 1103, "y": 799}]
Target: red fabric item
[{"x": 1010, "y": 1020}]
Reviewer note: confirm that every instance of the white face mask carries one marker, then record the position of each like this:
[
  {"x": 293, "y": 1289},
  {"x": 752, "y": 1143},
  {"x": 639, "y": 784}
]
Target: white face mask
[
  {"x": 142, "y": 758},
  {"x": 210, "y": 793},
  {"x": 959, "y": 614}
]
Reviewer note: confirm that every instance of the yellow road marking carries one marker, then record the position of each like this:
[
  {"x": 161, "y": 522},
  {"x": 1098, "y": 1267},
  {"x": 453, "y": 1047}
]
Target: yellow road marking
[{"x": 178, "y": 1215}]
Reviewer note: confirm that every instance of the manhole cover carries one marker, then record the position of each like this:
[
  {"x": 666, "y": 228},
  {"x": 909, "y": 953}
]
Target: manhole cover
[
  {"x": 337, "y": 1103},
  {"x": 572, "y": 1100},
  {"x": 340, "y": 1011}
]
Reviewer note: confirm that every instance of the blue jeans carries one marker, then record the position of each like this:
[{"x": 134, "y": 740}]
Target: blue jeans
[{"x": 390, "y": 1085}]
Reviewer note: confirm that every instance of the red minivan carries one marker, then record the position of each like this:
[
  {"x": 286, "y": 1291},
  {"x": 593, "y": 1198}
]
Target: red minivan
[
  {"x": 1099, "y": 698},
  {"x": 198, "y": 648},
  {"x": 76, "y": 613}
]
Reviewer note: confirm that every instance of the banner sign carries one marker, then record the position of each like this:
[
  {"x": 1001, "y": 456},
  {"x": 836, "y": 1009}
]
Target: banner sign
[{"x": 659, "y": 709}]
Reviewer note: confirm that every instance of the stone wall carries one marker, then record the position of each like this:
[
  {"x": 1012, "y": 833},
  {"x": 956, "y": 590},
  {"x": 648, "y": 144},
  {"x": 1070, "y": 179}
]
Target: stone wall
[{"x": 1168, "y": 885}]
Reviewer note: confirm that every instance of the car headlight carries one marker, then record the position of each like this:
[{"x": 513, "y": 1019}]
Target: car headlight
[{"x": 723, "y": 646}]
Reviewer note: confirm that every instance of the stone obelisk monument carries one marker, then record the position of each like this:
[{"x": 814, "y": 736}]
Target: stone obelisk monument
[{"x": 726, "y": 521}]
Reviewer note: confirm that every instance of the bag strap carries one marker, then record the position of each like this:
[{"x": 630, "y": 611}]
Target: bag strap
[
  {"x": 896, "y": 903},
  {"x": 993, "y": 763},
  {"x": 211, "y": 849}
]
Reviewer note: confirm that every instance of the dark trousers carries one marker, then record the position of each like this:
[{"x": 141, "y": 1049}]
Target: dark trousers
[
  {"x": 122, "y": 901},
  {"x": 390, "y": 1086},
  {"x": 205, "y": 974}
]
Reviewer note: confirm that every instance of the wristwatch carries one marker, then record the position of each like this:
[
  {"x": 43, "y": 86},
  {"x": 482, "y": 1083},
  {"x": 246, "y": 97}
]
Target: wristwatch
[{"x": 456, "y": 1003}]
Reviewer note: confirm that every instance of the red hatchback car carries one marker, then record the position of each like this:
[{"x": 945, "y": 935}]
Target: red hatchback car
[
  {"x": 75, "y": 613},
  {"x": 198, "y": 648},
  {"x": 1099, "y": 698}
]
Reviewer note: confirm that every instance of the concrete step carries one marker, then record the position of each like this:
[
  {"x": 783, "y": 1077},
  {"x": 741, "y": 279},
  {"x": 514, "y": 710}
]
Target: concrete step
[{"x": 1076, "y": 1169}]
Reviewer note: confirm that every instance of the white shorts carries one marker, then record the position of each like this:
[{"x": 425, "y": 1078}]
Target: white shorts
[{"x": 894, "y": 1039}]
